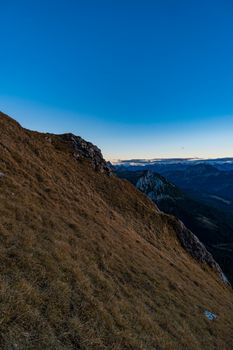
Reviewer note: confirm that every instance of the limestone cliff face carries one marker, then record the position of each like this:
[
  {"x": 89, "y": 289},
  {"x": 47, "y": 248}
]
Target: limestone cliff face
[
  {"x": 86, "y": 150},
  {"x": 156, "y": 187},
  {"x": 196, "y": 249}
]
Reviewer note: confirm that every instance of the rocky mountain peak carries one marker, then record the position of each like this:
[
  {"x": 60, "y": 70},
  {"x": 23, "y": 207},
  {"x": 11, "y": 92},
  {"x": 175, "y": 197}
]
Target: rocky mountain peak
[
  {"x": 85, "y": 150},
  {"x": 156, "y": 186},
  {"x": 150, "y": 180},
  {"x": 80, "y": 148}
]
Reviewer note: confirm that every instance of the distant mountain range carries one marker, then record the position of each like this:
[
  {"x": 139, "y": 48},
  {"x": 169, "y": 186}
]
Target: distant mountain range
[
  {"x": 210, "y": 180},
  {"x": 157, "y": 164},
  {"x": 205, "y": 181}
]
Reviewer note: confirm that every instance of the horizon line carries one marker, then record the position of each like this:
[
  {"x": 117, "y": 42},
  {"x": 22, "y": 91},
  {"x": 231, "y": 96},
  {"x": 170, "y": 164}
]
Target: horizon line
[{"x": 167, "y": 158}]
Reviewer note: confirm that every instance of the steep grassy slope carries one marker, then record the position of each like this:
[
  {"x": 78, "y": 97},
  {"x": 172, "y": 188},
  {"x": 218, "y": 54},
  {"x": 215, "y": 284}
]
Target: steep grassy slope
[{"x": 88, "y": 262}]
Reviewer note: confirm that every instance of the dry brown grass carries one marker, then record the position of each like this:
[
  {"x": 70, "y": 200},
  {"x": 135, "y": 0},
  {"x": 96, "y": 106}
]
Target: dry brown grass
[{"x": 86, "y": 261}]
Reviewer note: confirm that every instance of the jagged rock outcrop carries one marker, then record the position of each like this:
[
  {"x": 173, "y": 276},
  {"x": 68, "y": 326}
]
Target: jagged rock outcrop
[
  {"x": 196, "y": 249},
  {"x": 80, "y": 148},
  {"x": 86, "y": 150},
  {"x": 156, "y": 187}
]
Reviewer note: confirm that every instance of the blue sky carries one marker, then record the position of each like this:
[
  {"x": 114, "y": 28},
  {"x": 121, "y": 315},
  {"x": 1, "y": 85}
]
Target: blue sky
[{"x": 141, "y": 79}]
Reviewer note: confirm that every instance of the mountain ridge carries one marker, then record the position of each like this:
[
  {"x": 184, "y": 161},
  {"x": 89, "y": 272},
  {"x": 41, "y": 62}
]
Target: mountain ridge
[{"x": 88, "y": 262}]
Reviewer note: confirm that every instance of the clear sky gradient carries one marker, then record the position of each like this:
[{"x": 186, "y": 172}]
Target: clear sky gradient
[{"x": 141, "y": 79}]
